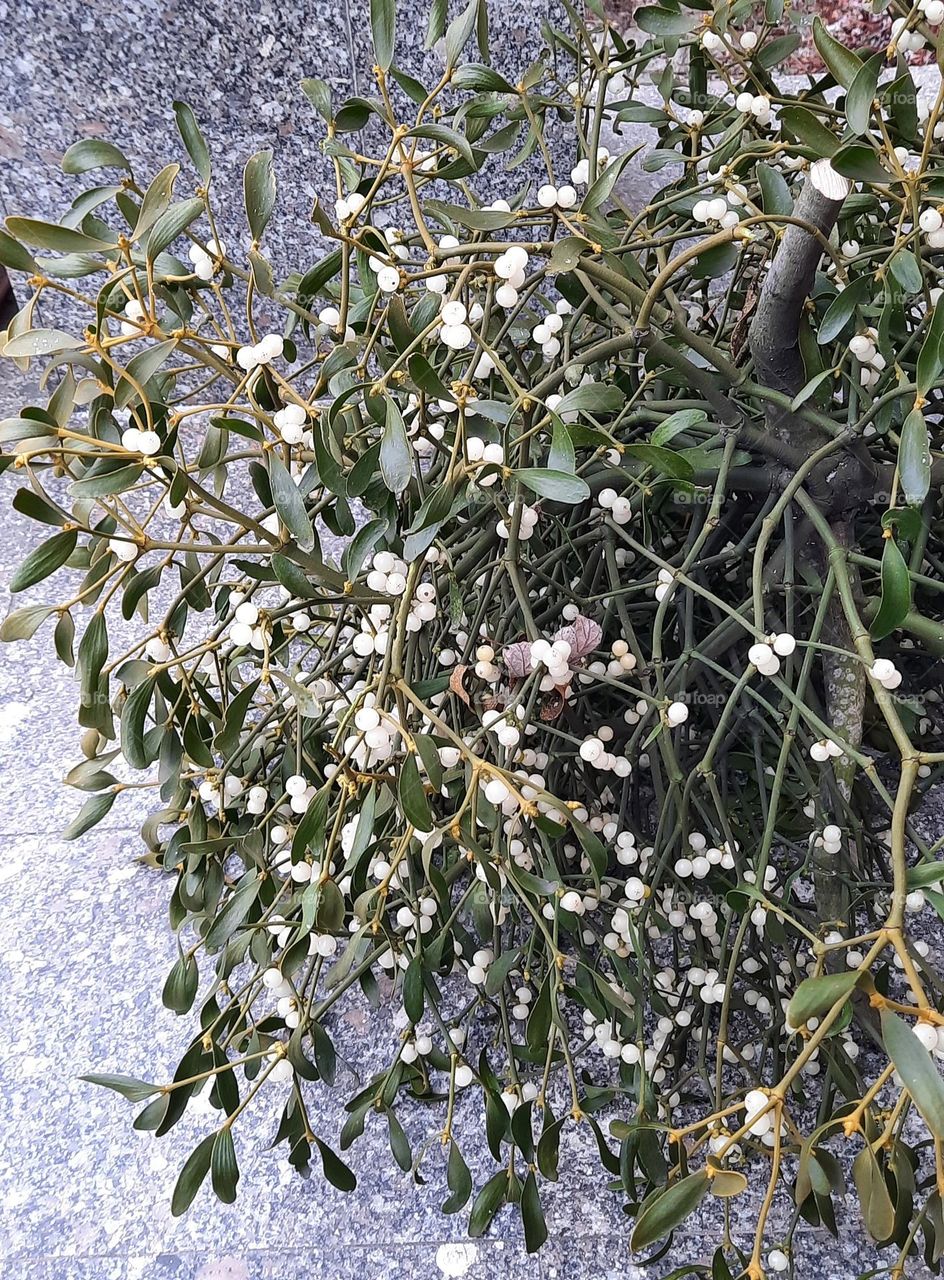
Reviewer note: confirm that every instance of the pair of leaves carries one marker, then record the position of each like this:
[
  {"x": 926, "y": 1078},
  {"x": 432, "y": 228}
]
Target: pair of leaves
[{"x": 217, "y": 1153}]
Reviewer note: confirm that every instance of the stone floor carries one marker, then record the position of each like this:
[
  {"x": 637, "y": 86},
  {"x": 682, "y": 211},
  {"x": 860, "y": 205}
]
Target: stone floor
[{"x": 82, "y": 926}]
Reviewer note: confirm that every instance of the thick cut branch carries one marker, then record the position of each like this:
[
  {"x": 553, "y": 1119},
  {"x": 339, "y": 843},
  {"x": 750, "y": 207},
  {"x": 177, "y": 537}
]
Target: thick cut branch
[
  {"x": 775, "y": 330},
  {"x": 841, "y": 482},
  {"x": 775, "y": 345}
]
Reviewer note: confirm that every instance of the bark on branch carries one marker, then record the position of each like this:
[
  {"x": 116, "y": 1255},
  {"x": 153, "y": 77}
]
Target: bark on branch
[
  {"x": 775, "y": 345},
  {"x": 775, "y": 331},
  {"x": 843, "y": 481}
]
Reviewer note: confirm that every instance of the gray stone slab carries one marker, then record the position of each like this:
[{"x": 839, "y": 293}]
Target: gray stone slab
[
  {"x": 472, "y": 1261},
  {"x": 109, "y": 69},
  {"x": 84, "y": 945}
]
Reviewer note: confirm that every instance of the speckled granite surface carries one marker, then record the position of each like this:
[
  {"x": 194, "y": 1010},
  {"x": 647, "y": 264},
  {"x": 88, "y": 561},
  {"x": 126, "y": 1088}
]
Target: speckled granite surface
[{"x": 82, "y": 927}]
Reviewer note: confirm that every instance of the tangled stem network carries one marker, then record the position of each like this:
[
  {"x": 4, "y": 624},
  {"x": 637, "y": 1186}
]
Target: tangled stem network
[{"x": 597, "y": 755}]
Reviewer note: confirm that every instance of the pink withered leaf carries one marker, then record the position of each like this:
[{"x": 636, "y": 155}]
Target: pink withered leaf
[
  {"x": 517, "y": 659},
  {"x": 583, "y": 635}
]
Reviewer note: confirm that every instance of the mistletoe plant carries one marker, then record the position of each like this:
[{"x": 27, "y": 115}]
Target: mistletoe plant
[{"x": 600, "y": 751}]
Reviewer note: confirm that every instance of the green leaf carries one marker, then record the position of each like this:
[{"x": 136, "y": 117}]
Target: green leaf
[
  {"x": 815, "y": 996},
  {"x": 356, "y": 551},
  {"x": 412, "y": 796},
  {"x": 156, "y": 199},
  {"x": 487, "y": 1203},
  {"x": 399, "y": 1143},
  {"x": 44, "y": 560},
  {"x": 561, "y": 456},
  {"x": 63, "y": 636},
  {"x": 133, "y": 719},
  {"x": 925, "y": 874},
  {"x": 193, "y": 139},
  {"x": 475, "y": 219},
  {"x": 92, "y": 652},
  {"x": 664, "y": 1209},
  {"x": 90, "y": 815},
  {"x": 675, "y": 424},
  {"x": 859, "y": 162},
  {"x": 602, "y": 188},
  {"x": 878, "y": 1211},
  {"x": 113, "y": 480},
  {"x": 916, "y": 1067},
  {"x": 318, "y": 93},
  {"x": 38, "y": 508},
  {"x": 716, "y": 262},
  {"x": 556, "y": 485},
  {"x": 639, "y": 113},
  {"x": 180, "y": 989},
  {"x": 23, "y": 623},
  {"x": 592, "y": 397},
  {"x": 426, "y": 377},
  {"x": 171, "y": 224},
  {"x": 413, "y": 1000},
  {"x": 223, "y": 1165},
  {"x": 262, "y": 276},
  {"x": 896, "y": 592},
  {"x": 458, "y": 1180},
  {"x": 862, "y": 93},
  {"x": 14, "y": 256},
  {"x": 259, "y": 192},
  {"x": 914, "y": 458},
  {"x": 232, "y": 915},
  {"x": 532, "y": 1215},
  {"x": 472, "y": 75},
  {"x": 808, "y": 129},
  {"x": 566, "y": 253},
  {"x": 335, "y": 1170},
  {"x": 445, "y": 137},
  {"x": 192, "y": 1176},
  {"x": 774, "y": 192},
  {"x": 396, "y": 452},
  {"x": 840, "y": 310},
  {"x": 901, "y": 97},
  {"x": 499, "y": 970},
  {"x": 843, "y": 64},
  {"x": 457, "y": 33},
  {"x": 141, "y": 369},
  {"x": 48, "y": 235},
  {"x": 436, "y": 23},
  {"x": 41, "y": 342},
  {"x": 310, "y": 833},
  {"x": 92, "y": 153},
  {"x": 298, "y": 582},
  {"x": 666, "y": 461},
  {"x": 931, "y": 356},
  {"x": 664, "y": 22},
  {"x": 905, "y": 268},
  {"x": 383, "y": 19},
  {"x": 128, "y": 1086},
  {"x": 70, "y": 266},
  {"x": 773, "y": 52},
  {"x": 289, "y": 503}
]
